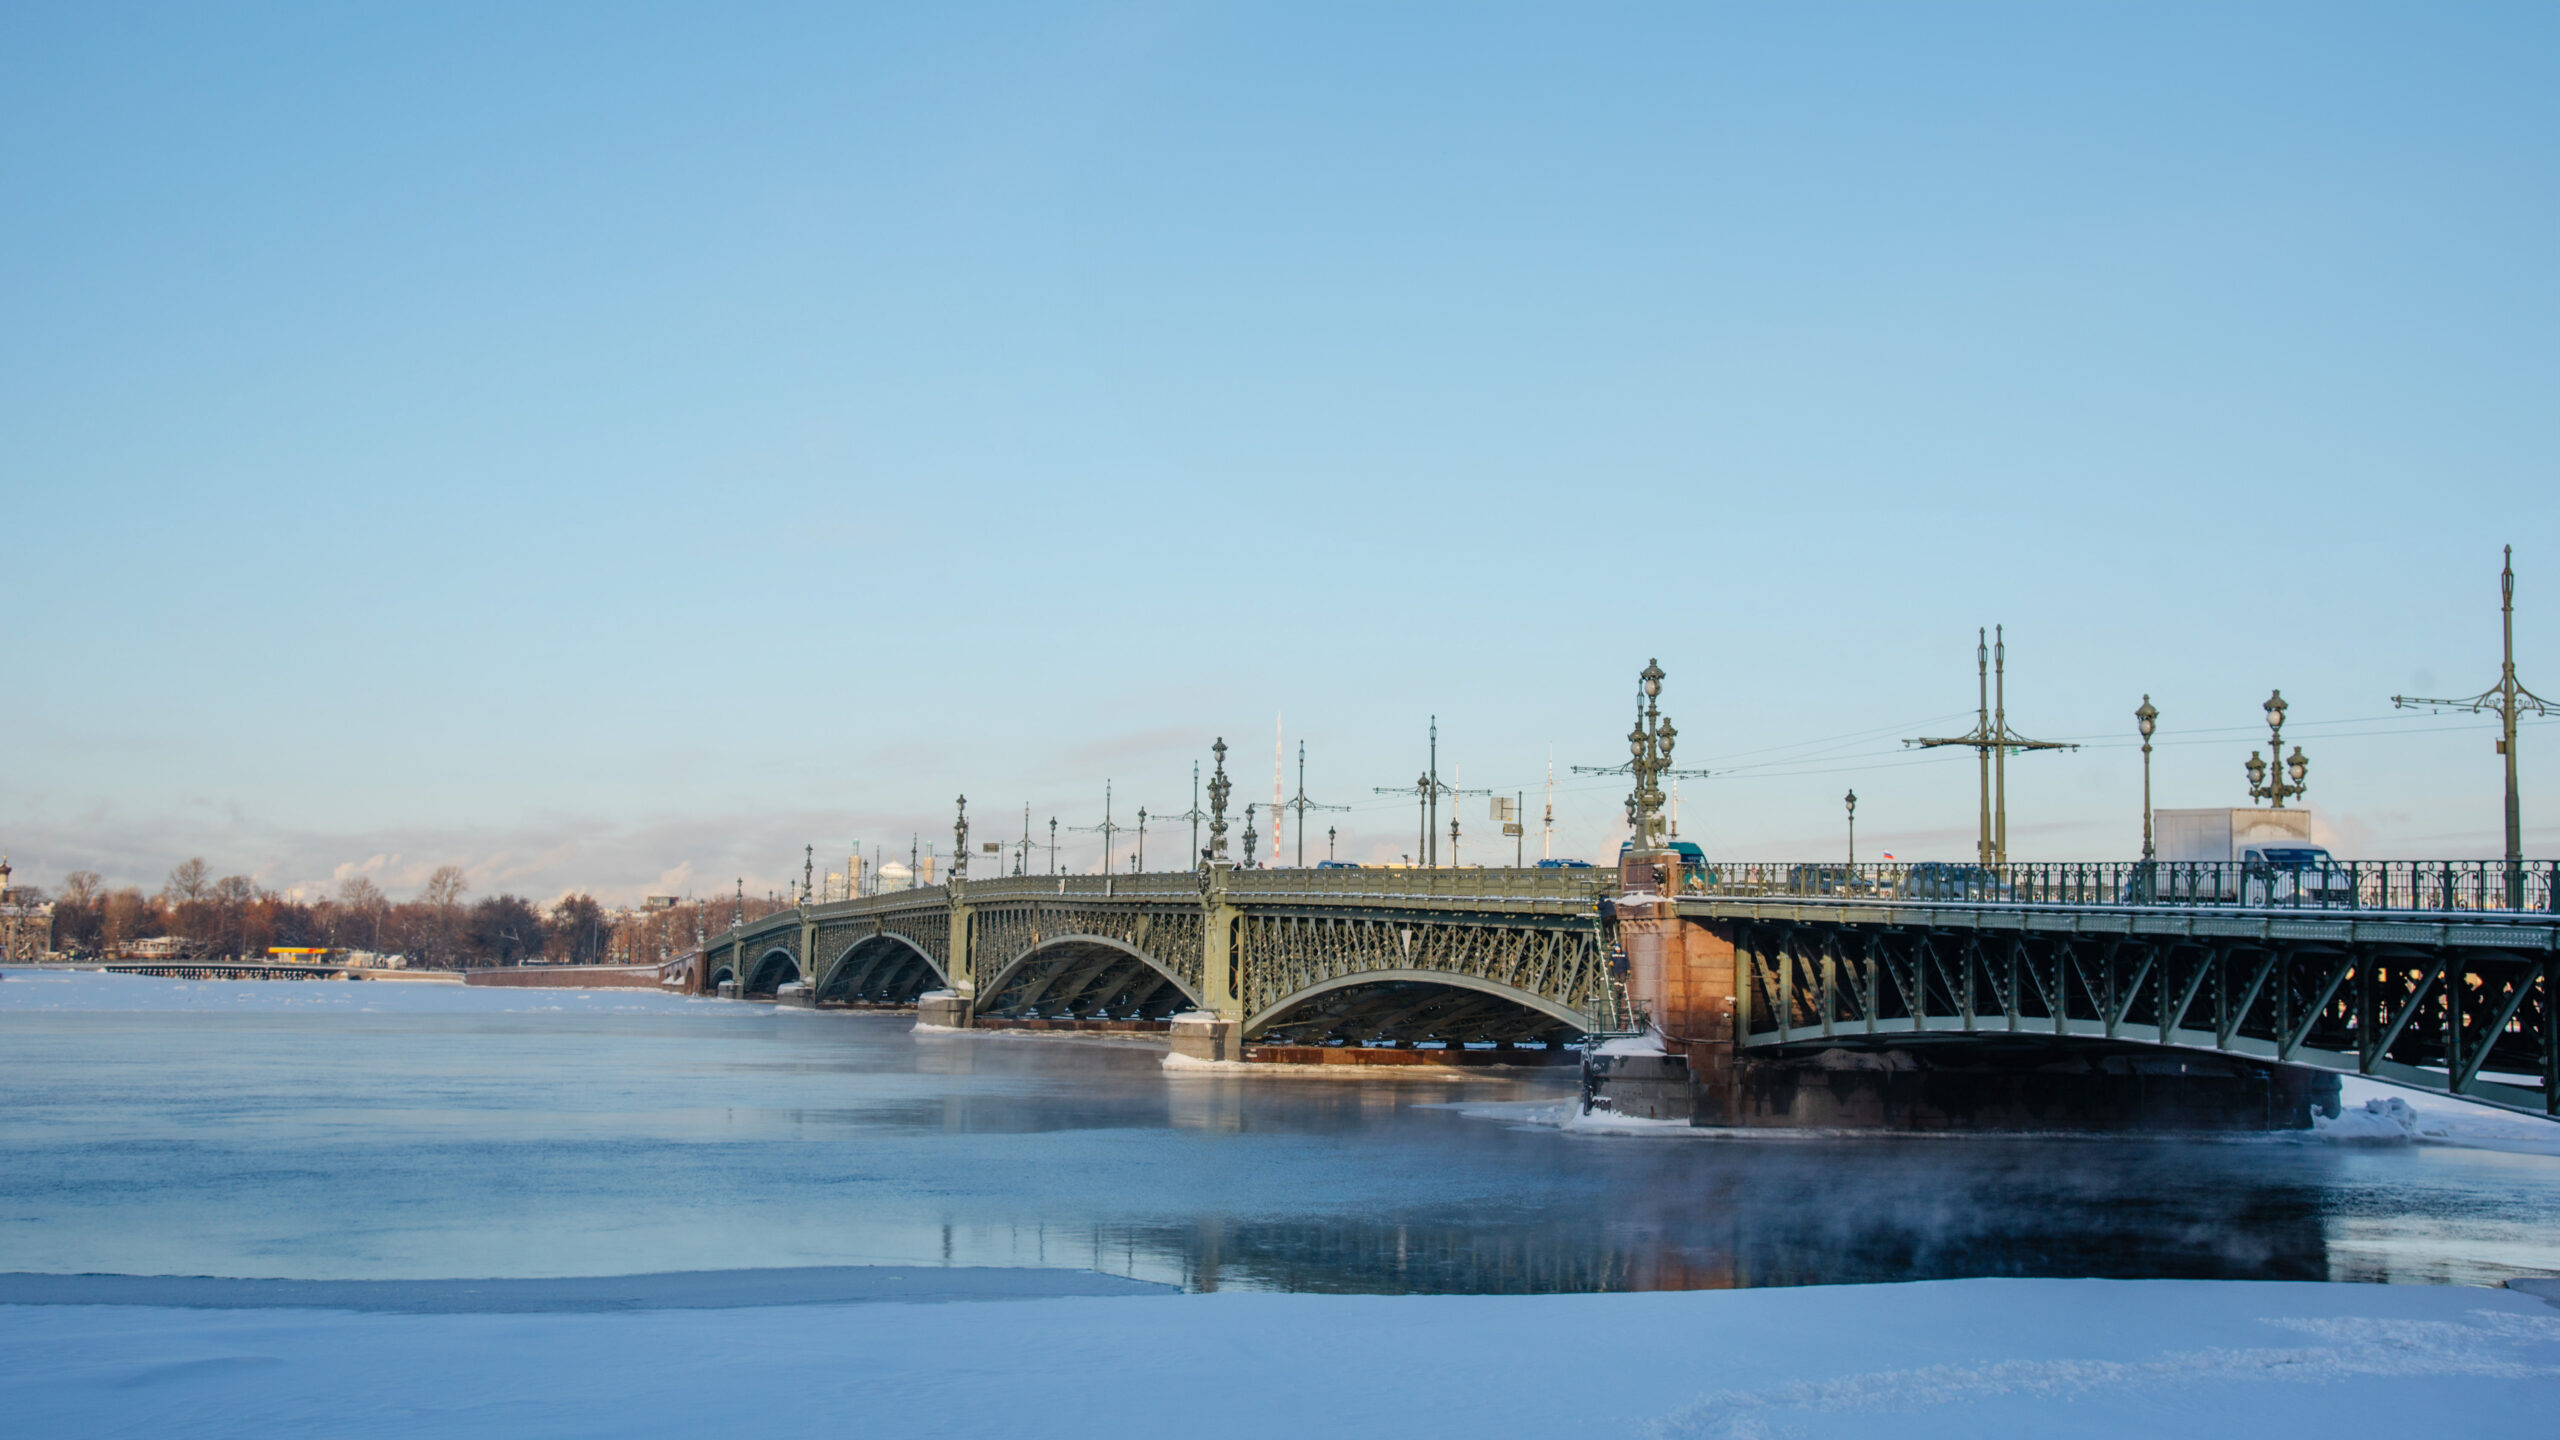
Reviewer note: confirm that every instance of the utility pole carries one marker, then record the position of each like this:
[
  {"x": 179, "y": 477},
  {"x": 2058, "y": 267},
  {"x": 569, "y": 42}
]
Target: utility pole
[
  {"x": 1022, "y": 857},
  {"x": 1992, "y": 740},
  {"x": 1420, "y": 790},
  {"x": 1453, "y": 792},
  {"x": 1302, "y": 805},
  {"x": 1106, "y": 829},
  {"x": 1195, "y": 814},
  {"x": 1428, "y": 790},
  {"x": 2508, "y": 700}
]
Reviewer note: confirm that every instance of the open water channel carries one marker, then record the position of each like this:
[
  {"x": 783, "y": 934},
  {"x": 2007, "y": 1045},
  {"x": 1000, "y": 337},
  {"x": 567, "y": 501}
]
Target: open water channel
[{"x": 401, "y": 1130}]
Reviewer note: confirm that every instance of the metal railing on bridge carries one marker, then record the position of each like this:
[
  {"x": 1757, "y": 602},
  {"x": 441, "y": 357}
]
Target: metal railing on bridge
[{"x": 2424, "y": 886}]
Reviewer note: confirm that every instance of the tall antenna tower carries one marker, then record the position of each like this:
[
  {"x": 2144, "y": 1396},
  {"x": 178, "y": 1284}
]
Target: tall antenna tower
[
  {"x": 1277, "y": 805},
  {"x": 1547, "y": 840},
  {"x": 2507, "y": 699},
  {"x": 1992, "y": 742}
]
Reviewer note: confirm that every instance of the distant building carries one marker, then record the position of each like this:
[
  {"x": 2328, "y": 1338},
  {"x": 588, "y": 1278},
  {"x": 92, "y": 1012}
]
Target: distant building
[{"x": 26, "y": 924}]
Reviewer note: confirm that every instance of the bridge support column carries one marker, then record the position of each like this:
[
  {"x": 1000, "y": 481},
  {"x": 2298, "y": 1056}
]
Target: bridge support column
[
  {"x": 1683, "y": 979},
  {"x": 1215, "y": 1032}
]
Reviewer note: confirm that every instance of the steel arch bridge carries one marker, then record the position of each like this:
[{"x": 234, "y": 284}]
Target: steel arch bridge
[
  {"x": 2457, "y": 1000},
  {"x": 1298, "y": 956}
]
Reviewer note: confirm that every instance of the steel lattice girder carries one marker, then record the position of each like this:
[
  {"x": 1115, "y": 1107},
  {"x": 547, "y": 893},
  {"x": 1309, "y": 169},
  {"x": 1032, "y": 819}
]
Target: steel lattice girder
[
  {"x": 1291, "y": 955},
  {"x": 2471, "y": 1020}
]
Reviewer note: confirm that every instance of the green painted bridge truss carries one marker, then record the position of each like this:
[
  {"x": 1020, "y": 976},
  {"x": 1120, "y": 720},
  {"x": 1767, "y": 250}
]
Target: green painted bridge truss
[
  {"x": 1298, "y": 956},
  {"x": 2459, "y": 1002}
]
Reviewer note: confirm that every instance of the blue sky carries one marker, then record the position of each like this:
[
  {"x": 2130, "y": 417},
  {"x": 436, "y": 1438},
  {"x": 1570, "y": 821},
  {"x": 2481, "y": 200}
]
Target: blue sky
[{"x": 611, "y": 446}]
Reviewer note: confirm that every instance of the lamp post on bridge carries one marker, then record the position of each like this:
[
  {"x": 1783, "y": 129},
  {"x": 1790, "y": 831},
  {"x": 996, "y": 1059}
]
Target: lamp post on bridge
[
  {"x": 2145, "y": 719},
  {"x": 1649, "y": 747},
  {"x": 1853, "y": 831},
  {"x": 1219, "y": 786},
  {"x": 1053, "y": 844},
  {"x": 2272, "y": 788}
]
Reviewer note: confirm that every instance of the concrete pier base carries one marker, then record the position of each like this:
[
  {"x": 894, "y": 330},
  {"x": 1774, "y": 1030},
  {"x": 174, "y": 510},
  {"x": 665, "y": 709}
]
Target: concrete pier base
[
  {"x": 1643, "y": 1087},
  {"x": 1996, "y": 1084},
  {"x": 800, "y": 996},
  {"x": 1201, "y": 1035},
  {"x": 943, "y": 1008}
]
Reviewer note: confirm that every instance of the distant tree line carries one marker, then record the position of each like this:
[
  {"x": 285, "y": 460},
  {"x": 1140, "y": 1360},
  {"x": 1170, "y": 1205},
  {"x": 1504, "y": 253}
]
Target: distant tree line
[{"x": 231, "y": 917}]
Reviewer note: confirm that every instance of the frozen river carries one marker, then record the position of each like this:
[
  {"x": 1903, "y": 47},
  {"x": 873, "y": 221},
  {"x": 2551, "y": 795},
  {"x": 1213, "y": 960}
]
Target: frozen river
[{"x": 387, "y": 1131}]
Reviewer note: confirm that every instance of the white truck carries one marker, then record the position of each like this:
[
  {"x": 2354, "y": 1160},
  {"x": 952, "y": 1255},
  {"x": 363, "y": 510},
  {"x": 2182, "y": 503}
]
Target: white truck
[{"x": 2256, "y": 857}]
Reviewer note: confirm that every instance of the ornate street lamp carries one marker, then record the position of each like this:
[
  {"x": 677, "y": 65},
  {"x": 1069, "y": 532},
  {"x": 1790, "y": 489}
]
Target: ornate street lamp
[
  {"x": 2145, "y": 719},
  {"x": 1649, "y": 750},
  {"x": 2272, "y": 788},
  {"x": 1853, "y": 829},
  {"x": 1249, "y": 837},
  {"x": 1219, "y": 787}
]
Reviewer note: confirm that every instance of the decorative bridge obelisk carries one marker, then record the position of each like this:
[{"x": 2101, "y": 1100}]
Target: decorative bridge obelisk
[{"x": 1680, "y": 1062}]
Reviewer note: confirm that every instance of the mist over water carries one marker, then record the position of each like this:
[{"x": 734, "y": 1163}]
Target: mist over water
[{"x": 385, "y": 1131}]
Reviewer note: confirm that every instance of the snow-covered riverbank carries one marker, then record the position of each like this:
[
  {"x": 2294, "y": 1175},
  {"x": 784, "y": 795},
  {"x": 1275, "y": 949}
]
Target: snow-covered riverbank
[{"x": 1958, "y": 1359}]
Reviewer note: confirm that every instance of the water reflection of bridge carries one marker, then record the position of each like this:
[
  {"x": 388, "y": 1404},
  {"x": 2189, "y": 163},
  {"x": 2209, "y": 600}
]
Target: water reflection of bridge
[{"x": 1783, "y": 1213}]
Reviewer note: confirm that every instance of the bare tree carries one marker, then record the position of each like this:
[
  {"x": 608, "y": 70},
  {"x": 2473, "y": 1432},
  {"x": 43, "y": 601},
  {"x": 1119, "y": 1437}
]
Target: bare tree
[
  {"x": 82, "y": 887},
  {"x": 361, "y": 904},
  {"x": 445, "y": 888},
  {"x": 190, "y": 881}
]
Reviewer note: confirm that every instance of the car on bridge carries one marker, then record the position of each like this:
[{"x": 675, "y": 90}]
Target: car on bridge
[
  {"x": 1941, "y": 880},
  {"x": 2294, "y": 875},
  {"x": 1820, "y": 880}
]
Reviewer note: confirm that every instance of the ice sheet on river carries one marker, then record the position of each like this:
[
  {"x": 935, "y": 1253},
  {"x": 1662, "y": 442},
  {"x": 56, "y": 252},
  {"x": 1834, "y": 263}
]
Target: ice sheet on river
[
  {"x": 579, "y": 1294},
  {"x": 1953, "y": 1359}
]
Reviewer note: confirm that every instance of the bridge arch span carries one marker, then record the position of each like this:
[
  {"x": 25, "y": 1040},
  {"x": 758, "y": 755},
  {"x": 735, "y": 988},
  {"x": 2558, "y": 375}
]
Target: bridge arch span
[
  {"x": 883, "y": 969},
  {"x": 773, "y": 969},
  {"x": 1086, "y": 977},
  {"x": 1414, "y": 1005}
]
